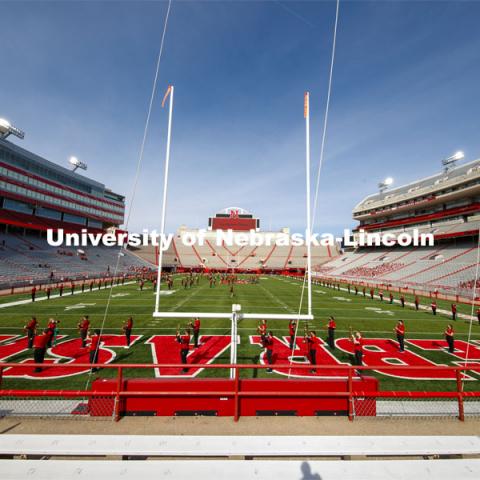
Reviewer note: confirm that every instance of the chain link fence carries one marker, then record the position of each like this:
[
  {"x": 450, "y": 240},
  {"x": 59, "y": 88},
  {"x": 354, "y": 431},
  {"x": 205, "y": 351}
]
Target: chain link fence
[{"x": 58, "y": 407}]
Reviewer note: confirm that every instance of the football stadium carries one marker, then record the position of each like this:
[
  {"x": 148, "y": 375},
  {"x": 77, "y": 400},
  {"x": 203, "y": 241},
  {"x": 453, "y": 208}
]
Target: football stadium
[{"x": 142, "y": 319}]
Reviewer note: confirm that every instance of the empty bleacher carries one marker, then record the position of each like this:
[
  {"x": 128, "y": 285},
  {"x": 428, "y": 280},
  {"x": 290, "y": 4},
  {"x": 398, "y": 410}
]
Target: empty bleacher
[
  {"x": 29, "y": 259},
  {"x": 302, "y": 456},
  {"x": 446, "y": 266}
]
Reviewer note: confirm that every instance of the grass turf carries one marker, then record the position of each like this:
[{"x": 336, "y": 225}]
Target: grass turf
[{"x": 272, "y": 295}]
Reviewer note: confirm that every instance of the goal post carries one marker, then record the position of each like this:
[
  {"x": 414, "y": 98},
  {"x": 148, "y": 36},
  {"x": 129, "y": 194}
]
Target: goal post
[{"x": 236, "y": 315}]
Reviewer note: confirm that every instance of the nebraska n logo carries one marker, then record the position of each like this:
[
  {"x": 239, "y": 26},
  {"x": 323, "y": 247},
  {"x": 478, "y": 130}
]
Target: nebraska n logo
[{"x": 234, "y": 213}]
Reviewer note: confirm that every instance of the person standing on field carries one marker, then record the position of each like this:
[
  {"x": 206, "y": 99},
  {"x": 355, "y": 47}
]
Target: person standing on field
[
  {"x": 39, "y": 349},
  {"x": 31, "y": 329},
  {"x": 454, "y": 311},
  {"x": 331, "y": 326},
  {"x": 195, "y": 325},
  {"x": 400, "y": 332},
  {"x": 450, "y": 338},
  {"x": 83, "y": 327},
  {"x": 127, "y": 330}
]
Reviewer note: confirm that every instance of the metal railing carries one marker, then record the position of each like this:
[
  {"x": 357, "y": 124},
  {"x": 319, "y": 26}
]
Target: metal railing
[{"x": 452, "y": 403}]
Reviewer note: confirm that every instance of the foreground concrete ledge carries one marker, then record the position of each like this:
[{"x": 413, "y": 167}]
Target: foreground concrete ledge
[{"x": 245, "y": 426}]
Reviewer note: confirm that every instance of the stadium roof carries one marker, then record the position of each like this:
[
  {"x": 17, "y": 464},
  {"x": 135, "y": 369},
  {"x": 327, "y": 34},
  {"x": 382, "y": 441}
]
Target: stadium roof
[{"x": 428, "y": 182}]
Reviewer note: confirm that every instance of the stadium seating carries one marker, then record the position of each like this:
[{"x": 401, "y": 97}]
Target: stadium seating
[
  {"x": 223, "y": 457},
  {"x": 446, "y": 266},
  {"x": 240, "y": 469},
  {"x": 29, "y": 259},
  {"x": 226, "y": 446},
  {"x": 221, "y": 257}
]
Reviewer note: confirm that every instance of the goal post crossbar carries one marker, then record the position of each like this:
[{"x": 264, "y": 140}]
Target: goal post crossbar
[{"x": 240, "y": 316}]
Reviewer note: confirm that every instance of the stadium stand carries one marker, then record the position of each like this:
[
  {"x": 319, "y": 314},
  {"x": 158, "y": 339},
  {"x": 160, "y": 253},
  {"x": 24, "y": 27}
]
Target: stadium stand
[
  {"x": 226, "y": 446},
  {"x": 30, "y": 260},
  {"x": 211, "y": 256},
  {"x": 223, "y": 456},
  {"x": 37, "y": 195},
  {"x": 444, "y": 205}
]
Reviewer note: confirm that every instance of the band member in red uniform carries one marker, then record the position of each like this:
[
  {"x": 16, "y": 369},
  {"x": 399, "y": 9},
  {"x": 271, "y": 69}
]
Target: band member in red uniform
[
  {"x": 83, "y": 287},
  {"x": 292, "y": 328},
  {"x": 269, "y": 348},
  {"x": 433, "y": 305},
  {"x": 184, "y": 341},
  {"x": 449, "y": 337},
  {"x": 48, "y": 291},
  {"x": 364, "y": 291},
  {"x": 34, "y": 292},
  {"x": 195, "y": 325},
  {"x": 371, "y": 293},
  {"x": 391, "y": 298},
  {"x": 417, "y": 302},
  {"x": 262, "y": 329},
  {"x": 83, "y": 327},
  {"x": 402, "y": 300},
  {"x": 356, "y": 290},
  {"x": 357, "y": 341},
  {"x": 72, "y": 288},
  {"x": 454, "y": 311},
  {"x": 31, "y": 328},
  {"x": 39, "y": 349},
  {"x": 380, "y": 294},
  {"x": 127, "y": 330},
  {"x": 400, "y": 332},
  {"x": 94, "y": 348},
  {"x": 60, "y": 289},
  {"x": 141, "y": 285},
  {"x": 312, "y": 343},
  {"x": 91, "y": 286},
  {"x": 348, "y": 288},
  {"x": 51, "y": 327},
  {"x": 331, "y": 325}
]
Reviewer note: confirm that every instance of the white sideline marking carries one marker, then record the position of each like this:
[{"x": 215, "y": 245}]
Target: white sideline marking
[
  {"x": 78, "y": 306},
  {"x": 57, "y": 295},
  {"x": 342, "y": 299},
  {"x": 380, "y": 311},
  {"x": 164, "y": 293}
]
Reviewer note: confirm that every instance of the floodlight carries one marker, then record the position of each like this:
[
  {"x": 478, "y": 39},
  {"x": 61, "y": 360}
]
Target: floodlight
[
  {"x": 6, "y": 129},
  {"x": 76, "y": 163},
  {"x": 385, "y": 184},
  {"x": 450, "y": 162}
]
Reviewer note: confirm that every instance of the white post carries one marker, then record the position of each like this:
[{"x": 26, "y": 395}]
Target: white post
[
  {"x": 165, "y": 188},
  {"x": 233, "y": 343},
  {"x": 306, "y": 113}
]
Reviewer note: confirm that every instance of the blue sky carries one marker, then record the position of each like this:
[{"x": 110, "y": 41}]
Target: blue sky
[{"x": 77, "y": 75}]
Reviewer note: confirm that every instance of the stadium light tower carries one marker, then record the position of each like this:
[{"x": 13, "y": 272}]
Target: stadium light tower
[
  {"x": 7, "y": 129},
  {"x": 451, "y": 162},
  {"x": 76, "y": 164},
  {"x": 385, "y": 184}
]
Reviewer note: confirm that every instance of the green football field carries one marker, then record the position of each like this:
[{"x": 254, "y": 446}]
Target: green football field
[{"x": 271, "y": 295}]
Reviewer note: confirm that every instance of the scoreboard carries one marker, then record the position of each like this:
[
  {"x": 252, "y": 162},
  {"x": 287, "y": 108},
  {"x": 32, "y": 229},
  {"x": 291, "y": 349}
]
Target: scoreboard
[{"x": 233, "y": 218}]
